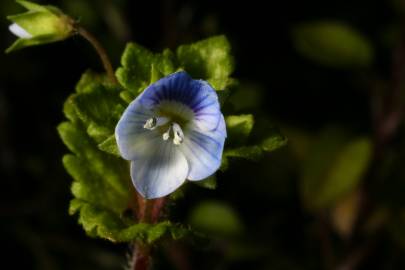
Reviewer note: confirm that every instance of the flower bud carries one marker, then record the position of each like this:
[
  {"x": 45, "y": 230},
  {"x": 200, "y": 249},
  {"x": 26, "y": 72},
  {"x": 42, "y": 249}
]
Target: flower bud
[{"x": 39, "y": 25}]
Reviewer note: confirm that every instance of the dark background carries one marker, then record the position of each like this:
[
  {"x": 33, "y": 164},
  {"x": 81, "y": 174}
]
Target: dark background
[{"x": 294, "y": 93}]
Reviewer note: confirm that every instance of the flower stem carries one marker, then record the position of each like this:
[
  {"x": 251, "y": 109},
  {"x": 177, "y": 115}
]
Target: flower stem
[
  {"x": 157, "y": 207},
  {"x": 100, "y": 51},
  {"x": 140, "y": 258},
  {"x": 149, "y": 211}
]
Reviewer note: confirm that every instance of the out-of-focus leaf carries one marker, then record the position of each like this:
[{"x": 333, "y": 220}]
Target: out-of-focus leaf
[
  {"x": 333, "y": 44},
  {"x": 239, "y": 127},
  {"x": 333, "y": 169},
  {"x": 209, "y": 183},
  {"x": 274, "y": 142},
  {"x": 216, "y": 218},
  {"x": 345, "y": 214},
  {"x": 252, "y": 152},
  {"x": 246, "y": 96},
  {"x": 110, "y": 146}
]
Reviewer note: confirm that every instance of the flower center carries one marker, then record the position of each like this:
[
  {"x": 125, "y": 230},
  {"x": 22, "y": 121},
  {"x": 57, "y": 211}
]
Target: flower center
[{"x": 163, "y": 123}]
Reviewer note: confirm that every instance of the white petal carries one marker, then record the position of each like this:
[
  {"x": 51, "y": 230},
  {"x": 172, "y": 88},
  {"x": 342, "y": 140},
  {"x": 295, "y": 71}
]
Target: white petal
[
  {"x": 19, "y": 31},
  {"x": 159, "y": 169},
  {"x": 203, "y": 151},
  {"x": 130, "y": 132}
]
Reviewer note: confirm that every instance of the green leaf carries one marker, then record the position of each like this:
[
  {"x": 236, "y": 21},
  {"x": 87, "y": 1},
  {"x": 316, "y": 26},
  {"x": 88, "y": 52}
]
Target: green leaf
[
  {"x": 209, "y": 183},
  {"x": 32, "y": 6},
  {"x": 334, "y": 169},
  {"x": 98, "y": 222},
  {"x": 90, "y": 81},
  {"x": 110, "y": 146},
  {"x": 216, "y": 218},
  {"x": 99, "y": 177},
  {"x": 252, "y": 152},
  {"x": 209, "y": 59},
  {"x": 140, "y": 67},
  {"x": 333, "y": 44},
  {"x": 99, "y": 108},
  {"x": 274, "y": 142},
  {"x": 239, "y": 127},
  {"x": 247, "y": 152}
]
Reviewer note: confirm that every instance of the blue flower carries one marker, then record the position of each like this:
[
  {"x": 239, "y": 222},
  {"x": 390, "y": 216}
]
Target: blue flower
[{"x": 171, "y": 132}]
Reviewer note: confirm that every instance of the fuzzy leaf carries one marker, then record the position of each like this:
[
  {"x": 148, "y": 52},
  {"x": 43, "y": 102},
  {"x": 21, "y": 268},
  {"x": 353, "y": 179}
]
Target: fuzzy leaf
[
  {"x": 209, "y": 59},
  {"x": 140, "y": 67},
  {"x": 98, "y": 222}
]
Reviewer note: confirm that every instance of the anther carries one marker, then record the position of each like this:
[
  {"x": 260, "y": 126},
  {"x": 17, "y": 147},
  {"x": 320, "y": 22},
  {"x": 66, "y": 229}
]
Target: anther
[
  {"x": 178, "y": 134},
  {"x": 154, "y": 122},
  {"x": 166, "y": 135},
  {"x": 150, "y": 123}
]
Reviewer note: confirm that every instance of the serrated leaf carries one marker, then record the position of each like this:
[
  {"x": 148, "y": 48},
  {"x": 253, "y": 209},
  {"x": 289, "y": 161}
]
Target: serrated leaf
[
  {"x": 110, "y": 146},
  {"x": 209, "y": 59},
  {"x": 333, "y": 44},
  {"x": 334, "y": 169},
  {"x": 99, "y": 110},
  {"x": 139, "y": 65},
  {"x": 239, "y": 127},
  {"x": 99, "y": 177},
  {"x": 98, "y": 222},
  {"x": 90, "y": 80}
]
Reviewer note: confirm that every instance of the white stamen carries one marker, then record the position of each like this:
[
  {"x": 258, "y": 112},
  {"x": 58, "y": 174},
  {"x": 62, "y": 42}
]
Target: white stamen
[
  {"x": 150, "y": 123},
  {"x": 19, "y": 31},
  {"x": 178, "y": 134},
  {"x": 166, "y": 135},
  {"x": 154, "y": 122}
]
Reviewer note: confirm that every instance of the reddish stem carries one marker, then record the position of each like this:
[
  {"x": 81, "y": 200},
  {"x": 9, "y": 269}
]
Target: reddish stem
[
  {"x": 142, "y": 205},
  {"x": 141, "y": 258},
  {"x": 157, "y": 206}
]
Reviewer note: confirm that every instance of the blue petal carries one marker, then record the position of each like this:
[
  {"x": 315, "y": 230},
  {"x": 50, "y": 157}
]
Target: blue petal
[
  {"x": 203, "y": 150},
  {"x": 159, "y": 169},
  {"x": 129, "y": 132},
  {"x": 198, "y": 95}
]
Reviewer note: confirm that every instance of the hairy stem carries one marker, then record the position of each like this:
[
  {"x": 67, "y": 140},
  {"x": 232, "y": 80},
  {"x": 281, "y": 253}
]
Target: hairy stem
[{"x": 100, "y": 51}]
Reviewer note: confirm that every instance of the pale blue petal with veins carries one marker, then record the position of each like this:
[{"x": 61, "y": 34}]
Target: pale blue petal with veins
[{"x": 173, "y": 131}]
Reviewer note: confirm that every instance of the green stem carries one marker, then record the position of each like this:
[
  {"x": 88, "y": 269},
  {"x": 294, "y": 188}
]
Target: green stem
[{"x": 100, "y": 51}]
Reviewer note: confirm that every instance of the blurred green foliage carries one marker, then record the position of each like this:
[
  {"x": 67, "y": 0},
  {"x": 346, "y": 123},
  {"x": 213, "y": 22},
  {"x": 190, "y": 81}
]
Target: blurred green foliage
[{"x": 333, "y": 44}]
